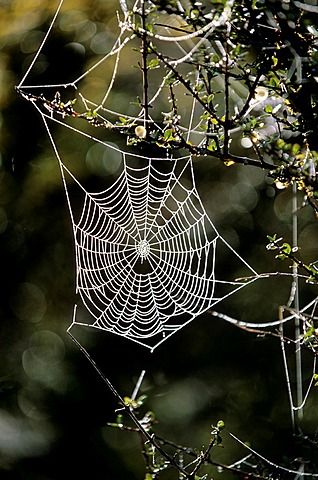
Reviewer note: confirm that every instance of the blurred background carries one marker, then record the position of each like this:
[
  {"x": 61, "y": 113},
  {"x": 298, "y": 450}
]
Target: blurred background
[{"x": 53, "y": 407}]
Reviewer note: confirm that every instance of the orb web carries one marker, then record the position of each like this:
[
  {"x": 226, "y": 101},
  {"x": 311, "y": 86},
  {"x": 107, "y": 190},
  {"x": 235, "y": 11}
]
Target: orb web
[
  {"x": 148, "y": 258},
  {"x": 146, "y": 251},
  {"x": 147, "y": 255}
]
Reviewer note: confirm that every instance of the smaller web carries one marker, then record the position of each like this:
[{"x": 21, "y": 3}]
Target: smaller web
[{"x": 186, "y": 47}]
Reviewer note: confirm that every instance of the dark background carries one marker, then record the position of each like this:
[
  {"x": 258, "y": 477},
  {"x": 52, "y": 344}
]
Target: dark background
[{"x": 53, "y": 406}]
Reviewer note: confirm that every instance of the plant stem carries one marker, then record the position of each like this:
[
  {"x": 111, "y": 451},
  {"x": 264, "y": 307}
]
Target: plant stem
[
  {"x": 149, "y": 437},
  {"x": 144, "y": 50},
  {"x": 227, "y": 94},
  {"x": 298, "y": 359}
]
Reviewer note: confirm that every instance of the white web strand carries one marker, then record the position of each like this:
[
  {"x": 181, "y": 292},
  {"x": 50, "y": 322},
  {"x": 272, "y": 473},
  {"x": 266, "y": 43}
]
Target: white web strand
[
  {"x": 113, "y": 236},
  {"x": 147, "y": 217},
  {"x": 36, "y": 56},
  {"x": 296, "y": 412},
  {"x": 272, "y": 464},
  {"x": 299, "y": 316},
  {"x": 210, "y": 27},
  {"x": 126, "y": 34},
  {"x": 118, "y": 46},
  {"x": 146, "y": 251}
]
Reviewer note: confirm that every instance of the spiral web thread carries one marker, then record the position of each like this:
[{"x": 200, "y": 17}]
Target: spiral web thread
[{"x": 160, "y": 227}]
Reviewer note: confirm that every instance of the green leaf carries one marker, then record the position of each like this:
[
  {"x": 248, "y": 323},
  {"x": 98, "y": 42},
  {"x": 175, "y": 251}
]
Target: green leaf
[
  {"x": 194, "y": 13},
  {"x": 281, "y": 256},
  {"x": 153, "y": 63},
  {"x": 274, "y": 81},
  {"x": 286, "y": 248},
  {"x": 212, "y": 146},
  {"x": 119, "y": 419},
  {"x": 210, "y": 98},
  {"x": 280, "y": 143},
  {"x": 295, "y": 149},
  {"x": 272, "y": 238},
  {"x": 220, "y": 425},
  {"x": 275, "y": 60},
  {"x": 90, "y": 114},
  {"x": 168, "y": 135},
  {"x": 130, "y": 402},
  {"x": 309, "y": 333}
]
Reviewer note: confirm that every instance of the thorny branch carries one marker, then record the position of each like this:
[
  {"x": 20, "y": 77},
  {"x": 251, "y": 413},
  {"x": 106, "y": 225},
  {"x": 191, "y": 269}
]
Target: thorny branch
[
  {"x": 56, "y": 106},
  {"x": 129, "y": 410},
  {"x": 144, "y": 426}
]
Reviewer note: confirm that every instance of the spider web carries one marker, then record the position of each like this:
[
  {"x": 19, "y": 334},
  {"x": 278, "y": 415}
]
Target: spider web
[
  {"x": 146, "y": 251},
  {"x": 147, "y": 254}
]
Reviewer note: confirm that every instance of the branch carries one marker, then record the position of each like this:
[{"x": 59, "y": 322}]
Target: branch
[
  {"x": 226, "y": 94},
  {"x": 144, "y": 49},
  {"x": 184, "y": 82},
  {"x": 128, "y": 409}
]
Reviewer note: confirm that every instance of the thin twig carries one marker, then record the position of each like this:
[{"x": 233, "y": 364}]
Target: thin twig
[
  {"x": 126, "y": 408},
  {"x": 227, "y": 94},
  {"x": 144, "y": 67},
  {"x": 192, "y": 453},
  {"x": 185, "y": 83}
]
